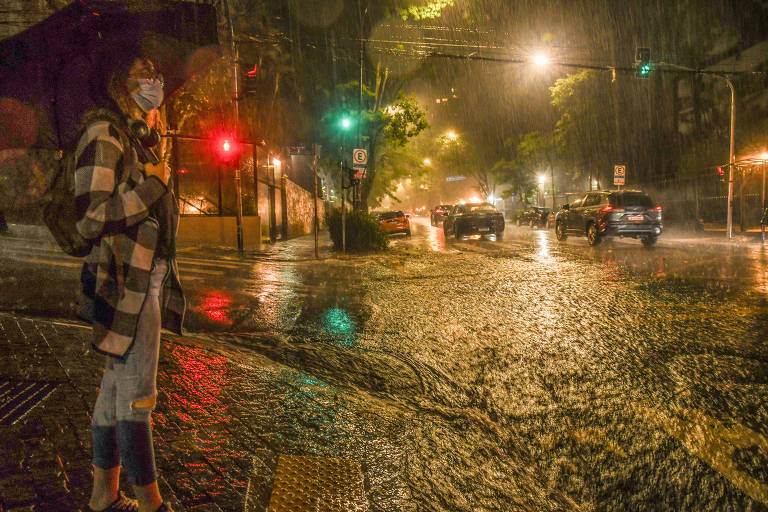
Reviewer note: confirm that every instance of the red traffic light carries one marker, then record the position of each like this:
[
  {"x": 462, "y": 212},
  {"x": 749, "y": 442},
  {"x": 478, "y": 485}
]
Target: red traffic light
[
  {"x": 226, "y": 149},
  {"x": 720, "y": 171}
]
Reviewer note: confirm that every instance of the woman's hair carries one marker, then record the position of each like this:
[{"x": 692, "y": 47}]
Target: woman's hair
[{"x": 110, "y": 68}]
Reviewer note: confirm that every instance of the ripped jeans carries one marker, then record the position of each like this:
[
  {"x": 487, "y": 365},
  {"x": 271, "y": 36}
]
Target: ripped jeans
[{"x": 121, "y": 418}]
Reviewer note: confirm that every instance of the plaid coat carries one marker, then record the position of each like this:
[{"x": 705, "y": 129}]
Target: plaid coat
[{"x": 113, "y": 198}]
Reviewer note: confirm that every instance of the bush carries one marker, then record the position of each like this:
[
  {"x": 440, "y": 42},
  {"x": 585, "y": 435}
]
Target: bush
[{"x": 364, "y": 233}]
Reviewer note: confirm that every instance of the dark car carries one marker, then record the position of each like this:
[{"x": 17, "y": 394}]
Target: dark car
[
  {"x": 536, "y": 216},
  {"x": 438, "y": 213},
  {"x": 474, "y": 219},
  {"x": 600, "y": 214}
]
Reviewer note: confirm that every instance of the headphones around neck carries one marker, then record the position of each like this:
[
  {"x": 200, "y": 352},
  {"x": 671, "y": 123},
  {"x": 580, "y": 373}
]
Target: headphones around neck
[{"x": 147, "y": 138}]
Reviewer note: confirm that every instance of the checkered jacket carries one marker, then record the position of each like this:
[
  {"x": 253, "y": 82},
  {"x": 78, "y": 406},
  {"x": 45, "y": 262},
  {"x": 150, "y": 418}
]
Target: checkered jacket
[{"x": 113, "y": 198}]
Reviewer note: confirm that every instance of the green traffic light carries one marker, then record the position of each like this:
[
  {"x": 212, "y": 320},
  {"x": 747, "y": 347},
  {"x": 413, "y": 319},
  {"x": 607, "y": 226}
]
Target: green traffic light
[
  {"x": 645, "y": 69},
  {"x": 346, "y": 123}
]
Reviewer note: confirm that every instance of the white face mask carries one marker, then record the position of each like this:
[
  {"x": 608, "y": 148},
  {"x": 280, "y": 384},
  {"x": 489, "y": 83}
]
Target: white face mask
[{"x": 150, "y": 93}]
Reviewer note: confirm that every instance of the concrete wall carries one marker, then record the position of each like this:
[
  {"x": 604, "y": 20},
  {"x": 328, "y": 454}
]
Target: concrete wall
[
  {"x": 300, "y": 210},
  {"x": 218, "y": 231}
]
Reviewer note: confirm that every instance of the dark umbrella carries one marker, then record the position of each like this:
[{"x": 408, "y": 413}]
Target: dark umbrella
[{"x": 46, "y": 71}]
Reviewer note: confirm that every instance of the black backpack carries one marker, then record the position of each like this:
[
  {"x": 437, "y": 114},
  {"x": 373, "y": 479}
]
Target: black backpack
[{"x": 59, "y": 210}]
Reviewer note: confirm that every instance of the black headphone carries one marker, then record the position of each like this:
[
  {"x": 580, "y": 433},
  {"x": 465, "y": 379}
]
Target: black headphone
[{"x": 147, "y": 138}]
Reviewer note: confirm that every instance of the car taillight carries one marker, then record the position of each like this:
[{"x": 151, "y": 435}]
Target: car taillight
[
  {"x": 658, "y": 208},
  {"x": 610, "y": 208}
]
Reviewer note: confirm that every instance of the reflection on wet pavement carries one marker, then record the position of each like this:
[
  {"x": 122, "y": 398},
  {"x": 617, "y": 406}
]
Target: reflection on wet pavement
[{"x": 478, "y": 375}]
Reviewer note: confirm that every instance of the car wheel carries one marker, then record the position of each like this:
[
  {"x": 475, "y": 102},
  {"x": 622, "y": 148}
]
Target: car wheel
[
  {"x": 445, "y": 231},
  {"x": 560, "y": 231},
  {"x": 532, "y": 224},
  {"x": 500, "y": 236},
  {"x": 408, "y": 233},
  {"x": 457, "y": 232},
  {"x": 547, "y": 225},
  {"x": 593, "y": 236},
  {"x": 649, "y": 241}
]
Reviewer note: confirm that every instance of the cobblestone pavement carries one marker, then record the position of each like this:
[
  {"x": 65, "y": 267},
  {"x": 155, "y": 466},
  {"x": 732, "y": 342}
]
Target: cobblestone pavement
[{"x": 224, "y": 418}]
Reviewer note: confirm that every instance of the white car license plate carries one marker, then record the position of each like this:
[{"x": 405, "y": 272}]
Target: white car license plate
[
  {"x": 635, "y": 217},
  {"x": 484, "y": 229}
]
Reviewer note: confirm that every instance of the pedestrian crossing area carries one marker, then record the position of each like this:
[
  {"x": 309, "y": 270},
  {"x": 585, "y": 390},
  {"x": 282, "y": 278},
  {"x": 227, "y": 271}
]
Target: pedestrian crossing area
[{"x": 43, "y": 254}]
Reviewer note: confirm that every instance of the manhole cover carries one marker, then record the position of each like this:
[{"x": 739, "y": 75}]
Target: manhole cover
[
  {"x": 18, "y": 397},
  {"x": 312, "y": 484}
]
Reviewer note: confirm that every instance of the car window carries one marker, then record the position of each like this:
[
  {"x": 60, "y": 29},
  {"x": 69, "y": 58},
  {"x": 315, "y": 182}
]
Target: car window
[
  {"x": 485, "y": 207},
  {"x": 577, "y": 203},
  {"x": 592, "y": 200},
  {"x": 632, "y": 199},
  {"x": 390, "y": 215}
]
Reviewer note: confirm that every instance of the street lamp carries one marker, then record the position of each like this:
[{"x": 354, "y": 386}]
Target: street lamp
[
  {"x": 451, "y": 135},
  {"x": 541, "y": 60},
  {"x": 427, "y": 161}
]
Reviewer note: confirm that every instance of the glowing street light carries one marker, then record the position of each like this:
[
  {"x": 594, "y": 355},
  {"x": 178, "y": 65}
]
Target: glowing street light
[
  {"x": 427, "y": 161},
  {"x": 451, "y": 135},
  {"x": 542, "y": 179},
  {"x": 541, "y": 60}
]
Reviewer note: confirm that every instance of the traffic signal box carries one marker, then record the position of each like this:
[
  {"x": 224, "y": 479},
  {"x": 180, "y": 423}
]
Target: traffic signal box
[
  {"x": 226, "y": 150},
  {"x": 250, "y": 76},
  {"x": 643, "y": 62}
]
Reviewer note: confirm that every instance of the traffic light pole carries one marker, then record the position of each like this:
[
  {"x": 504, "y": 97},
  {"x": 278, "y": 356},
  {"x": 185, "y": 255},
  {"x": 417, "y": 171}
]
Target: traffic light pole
[
  {"x": 732, "y": 147},
  {"x": 343, "y": 205},
  {"x": 314, "y": 198},
  {"x": 236, "y": 93},
  {"x": 732, "y": 159}
]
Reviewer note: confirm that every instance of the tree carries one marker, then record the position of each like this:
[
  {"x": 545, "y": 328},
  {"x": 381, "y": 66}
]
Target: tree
[{"x": 385, "y": 129}]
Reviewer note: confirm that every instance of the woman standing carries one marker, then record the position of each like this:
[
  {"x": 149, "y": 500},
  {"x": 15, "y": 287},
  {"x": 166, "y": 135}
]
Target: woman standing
[{"x": 125, "y": 206}]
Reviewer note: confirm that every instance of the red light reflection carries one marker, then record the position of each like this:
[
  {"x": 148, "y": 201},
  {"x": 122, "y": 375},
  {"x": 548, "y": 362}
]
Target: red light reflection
[{"x": 215, "y": 305}]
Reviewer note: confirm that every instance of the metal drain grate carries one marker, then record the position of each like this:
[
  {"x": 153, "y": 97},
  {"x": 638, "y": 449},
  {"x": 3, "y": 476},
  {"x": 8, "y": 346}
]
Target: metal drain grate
[
  {"x": 18, "y": 397},
  {"x": 311, "y": 484}
]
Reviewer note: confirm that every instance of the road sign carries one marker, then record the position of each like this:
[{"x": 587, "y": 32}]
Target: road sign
[
  {"x": 359, "y": 158},
  {"x": 455, "y": 178},
  {"x": 619, "y": 174}
]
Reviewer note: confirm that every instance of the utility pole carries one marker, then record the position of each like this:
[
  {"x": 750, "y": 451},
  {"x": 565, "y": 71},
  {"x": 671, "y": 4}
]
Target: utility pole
[
  {"x": 360, "y": 100},
  {"x": 314, "y": 197},
  {"x": 732, "y": 158},
  {"x": 236, "y": 93},
  {"x": 343, "y": 205}
]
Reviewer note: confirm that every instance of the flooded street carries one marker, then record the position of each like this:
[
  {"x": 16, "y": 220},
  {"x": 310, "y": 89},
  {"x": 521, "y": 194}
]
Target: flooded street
[{"x": 527, "y": 374}]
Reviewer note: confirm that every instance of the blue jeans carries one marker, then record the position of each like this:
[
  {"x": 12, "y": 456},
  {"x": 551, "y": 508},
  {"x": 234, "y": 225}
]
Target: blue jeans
[{"x": 121, "y": 417}]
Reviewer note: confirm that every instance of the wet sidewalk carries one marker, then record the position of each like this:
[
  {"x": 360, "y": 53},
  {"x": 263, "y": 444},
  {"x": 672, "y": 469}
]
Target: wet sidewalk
[{"x": 233, "y": 430}]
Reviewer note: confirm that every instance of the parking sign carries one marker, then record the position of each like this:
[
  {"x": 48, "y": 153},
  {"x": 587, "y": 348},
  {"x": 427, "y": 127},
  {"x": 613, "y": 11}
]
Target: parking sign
[
  {"x": 359, "y": 158},
  {"x": 619, "y": 174}
]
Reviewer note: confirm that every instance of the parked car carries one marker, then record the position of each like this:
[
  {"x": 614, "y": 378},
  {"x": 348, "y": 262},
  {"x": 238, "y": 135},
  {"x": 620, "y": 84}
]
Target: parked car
[
  {"x": 601, "y": 214},
  {"x": 394, "y": 222},
  {"x": 438, "y": 213},
  {"x": 535, "y": 216},
  {"x": 474, "y": 219}
]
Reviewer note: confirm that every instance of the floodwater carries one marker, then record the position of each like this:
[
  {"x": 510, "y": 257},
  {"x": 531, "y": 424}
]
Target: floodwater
[{"x": 523, "y": 375}]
